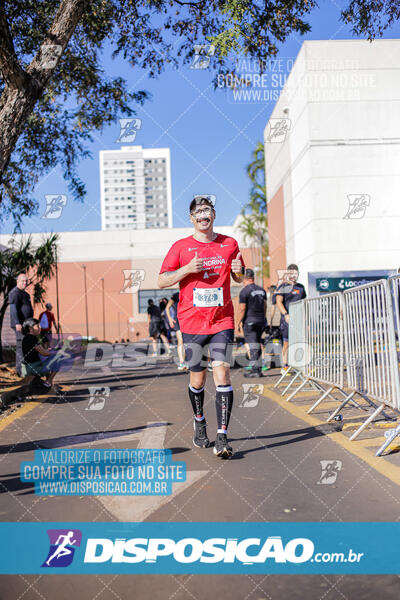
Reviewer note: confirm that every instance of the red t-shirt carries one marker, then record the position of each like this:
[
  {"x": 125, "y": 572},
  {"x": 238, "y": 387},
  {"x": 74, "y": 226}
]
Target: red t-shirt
[
  {"x": 218, "y": 256},
  {"x": 50, "y": 319}
]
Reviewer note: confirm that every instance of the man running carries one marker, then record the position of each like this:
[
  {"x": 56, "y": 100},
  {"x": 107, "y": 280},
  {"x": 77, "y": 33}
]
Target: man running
[
  {"x": 203, "y": 264},
  {"x": 287, "y": 292}
]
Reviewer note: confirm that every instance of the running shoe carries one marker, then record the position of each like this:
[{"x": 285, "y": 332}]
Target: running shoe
[
  {"x": 265, "y": 368},
  {"x": 248, "y": 368},
  {"x": 253, "y": 373},
  {"x": 209, "y": 368},
  {"x": 181, "y": 367},
  {"x": 221, "y": 446},
  {"x": 200, "y": 438}
]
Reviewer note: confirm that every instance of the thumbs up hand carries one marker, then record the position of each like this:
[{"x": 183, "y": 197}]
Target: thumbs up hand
[
  {"x": 236, "y": 265},
  {"x": 196, "y": 264}
]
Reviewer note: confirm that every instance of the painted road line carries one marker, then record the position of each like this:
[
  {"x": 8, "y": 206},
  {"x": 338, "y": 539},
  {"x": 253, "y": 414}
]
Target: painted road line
[
  {"x": 19, "y": 412},
  {"x": 382, "y": 466},
  {"x": 139, "y": 508},
  {"x": 24, "y": 409}
]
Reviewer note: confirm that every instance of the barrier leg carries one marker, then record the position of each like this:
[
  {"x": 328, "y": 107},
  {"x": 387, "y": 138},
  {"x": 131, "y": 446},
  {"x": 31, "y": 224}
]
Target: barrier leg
[
  {"x": 339, "y": 408},
  {"x": 292, "y": 395},
  {"x": 281, "y": 378},
  {"x": 291, "y": 383},
  {"x": 382, "y": 449},
  {"x": 324, "y": 395},
  {"x": 367, "y": 422}
]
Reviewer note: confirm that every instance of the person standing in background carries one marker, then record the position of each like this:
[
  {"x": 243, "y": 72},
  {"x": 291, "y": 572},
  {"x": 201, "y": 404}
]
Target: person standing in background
[
  {"x": 251, "y": 319},
  {"x": 156, "y": 327},
  {"x": 46, "y": 320},
  {"x": 290, "y": 291},
  {"x": 172, "y": 315},
  {"x": 20, "y": 310}
]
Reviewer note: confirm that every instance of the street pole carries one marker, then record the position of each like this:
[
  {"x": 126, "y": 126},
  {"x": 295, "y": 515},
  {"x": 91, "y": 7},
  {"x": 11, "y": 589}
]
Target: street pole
[
  {"x": 261, "y": 259},
  {"x": 119, "y": 329},
  {"x": 104, "y": 310},
  {"x": 86, "y": 303}
]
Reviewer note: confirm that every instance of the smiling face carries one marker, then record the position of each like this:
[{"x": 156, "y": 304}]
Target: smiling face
[{"x": 202, "y": 217}]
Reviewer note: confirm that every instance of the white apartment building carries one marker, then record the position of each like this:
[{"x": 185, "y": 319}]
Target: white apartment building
[{"x": 135, "y": 188}]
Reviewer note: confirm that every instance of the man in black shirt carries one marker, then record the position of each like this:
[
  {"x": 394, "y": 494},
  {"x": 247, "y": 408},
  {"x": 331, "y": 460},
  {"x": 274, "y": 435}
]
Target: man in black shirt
[
  {"x": 20, "y": 310},
  {"x": 156, "y": 326},
  {"x": 289, "y": 291},
  {"x": 252, "y": 309}
]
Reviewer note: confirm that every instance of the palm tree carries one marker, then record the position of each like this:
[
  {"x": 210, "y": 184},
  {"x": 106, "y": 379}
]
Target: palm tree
[
  {"x": 22, "y": 256},
  {"x": 254, "y": 224}
]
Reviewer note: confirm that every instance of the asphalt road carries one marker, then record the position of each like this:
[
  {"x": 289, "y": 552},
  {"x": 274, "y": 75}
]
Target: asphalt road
[{"x": 275, "y": 475}]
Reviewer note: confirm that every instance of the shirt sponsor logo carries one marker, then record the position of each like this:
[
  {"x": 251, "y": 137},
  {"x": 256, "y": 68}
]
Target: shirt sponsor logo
[{"x": 190, "y": 249}]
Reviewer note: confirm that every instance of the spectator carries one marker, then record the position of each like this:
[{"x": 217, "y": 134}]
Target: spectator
[
  {"x": 46, "y": 320},
  {"x": 287, "y": 292},
  {"x": 32, "y": 350},
  {"x": 20, "y": 310},
  {"x": 251, "y": 320},
  {"x": 156, "y": 327},
  {"x": 273, "y": 314},
  {"x": 163, "y": 304},
  {"x": 172, "y": 316}
]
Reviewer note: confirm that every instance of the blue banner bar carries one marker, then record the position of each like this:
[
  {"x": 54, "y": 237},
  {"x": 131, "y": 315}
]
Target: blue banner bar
[{"x": 286, "y": 548}]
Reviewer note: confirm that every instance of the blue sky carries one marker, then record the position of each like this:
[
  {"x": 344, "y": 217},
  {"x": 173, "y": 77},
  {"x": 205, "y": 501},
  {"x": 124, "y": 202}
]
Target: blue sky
[{"x": 210, "y": 136}]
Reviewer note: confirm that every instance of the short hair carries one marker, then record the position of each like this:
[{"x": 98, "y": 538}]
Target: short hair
[
  {"x": 272, "y": 287},
  {"x": 293, "y": 267},
  {"x": 249, "y": 274},
  {"x": 150, "y": 301},
  {"x": 28, "y": 323},
  {"x": 200, "y": 201},
  {"x": 49, "y": 306}
]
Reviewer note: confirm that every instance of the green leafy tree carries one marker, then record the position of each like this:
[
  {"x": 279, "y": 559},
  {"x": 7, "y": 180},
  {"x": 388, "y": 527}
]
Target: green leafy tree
[
  {"x": 55, "y": 93},
  {"x": 254, "y": 223},
  {"x": 23, "y": 256}
]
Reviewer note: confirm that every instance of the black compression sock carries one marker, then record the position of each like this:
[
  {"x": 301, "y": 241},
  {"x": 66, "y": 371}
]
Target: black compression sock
[
  {"x": 197, "y": 400},
  {"x": 223, "y": 403}
]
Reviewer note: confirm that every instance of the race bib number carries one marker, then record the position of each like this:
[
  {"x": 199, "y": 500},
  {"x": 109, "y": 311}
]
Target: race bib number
[{"x": 205, "y": 297}]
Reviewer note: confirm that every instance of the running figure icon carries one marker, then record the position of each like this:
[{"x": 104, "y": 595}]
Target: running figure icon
[{"x": 62, "y": 549}]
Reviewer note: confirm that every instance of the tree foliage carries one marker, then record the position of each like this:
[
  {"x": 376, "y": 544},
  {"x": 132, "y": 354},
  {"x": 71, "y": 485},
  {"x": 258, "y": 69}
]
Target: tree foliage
[
  {"x": 23, "y": 256},
  {"x": 254, "y": 223},
  {"x": 55, "y": 93}
]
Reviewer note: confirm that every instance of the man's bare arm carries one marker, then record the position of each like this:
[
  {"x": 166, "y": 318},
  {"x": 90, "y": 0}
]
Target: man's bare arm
[{"x": 172, "y": 277}]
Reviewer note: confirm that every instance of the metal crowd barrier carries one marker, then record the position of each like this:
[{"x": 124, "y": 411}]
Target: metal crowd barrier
[
  {"x": 324, "y": 347},
  {"x": 394, "y": 308},
  {"x": 350, "y": 344}
]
